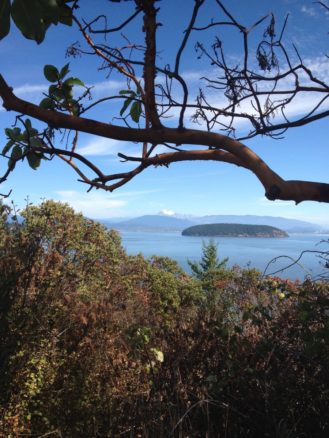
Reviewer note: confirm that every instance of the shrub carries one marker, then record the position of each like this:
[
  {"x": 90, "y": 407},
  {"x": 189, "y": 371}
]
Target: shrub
[{"x": 96, "y": 343}]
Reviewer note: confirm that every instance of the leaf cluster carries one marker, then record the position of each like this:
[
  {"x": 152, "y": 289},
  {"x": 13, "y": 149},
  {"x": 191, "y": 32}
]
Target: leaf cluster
[
  {"x": 60, "y": 93},
  {"x": 22, "y": 144},
  {"x": 33, "y": 17},
  {"x": 135, "y": 110}
]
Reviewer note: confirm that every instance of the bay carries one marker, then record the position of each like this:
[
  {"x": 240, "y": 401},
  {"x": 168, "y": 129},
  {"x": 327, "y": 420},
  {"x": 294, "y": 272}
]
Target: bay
[{"x": 243, "y": 251}]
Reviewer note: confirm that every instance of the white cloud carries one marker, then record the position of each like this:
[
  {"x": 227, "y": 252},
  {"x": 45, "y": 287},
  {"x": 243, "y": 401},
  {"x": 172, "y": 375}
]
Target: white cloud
[
  {"x": 28, "y": 89},
  {"x": 32, "y": 93},
  {"x": 35, "y": 91},
  {"x": 308, "y": 11},
  {"x": 104, "y": 86},
  {"x": 166, "y": 212},
  {"x": 100, "y": 204},
  {"x": 301, "y": 105},
  {"x": 95, "y": 205},
  {"x": 189, "y": 76},
  {"x": 109, "y": 148},
  {"x": 194, "y": 75},
  {"x": 99, "y": 87},
  {"x": 319, "y": 66},
  {"x": 100, "y": 146}
]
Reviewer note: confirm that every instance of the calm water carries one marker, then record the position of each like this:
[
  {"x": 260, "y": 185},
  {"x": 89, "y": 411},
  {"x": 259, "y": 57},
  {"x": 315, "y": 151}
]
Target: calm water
[{"x": 256, "y": 252}]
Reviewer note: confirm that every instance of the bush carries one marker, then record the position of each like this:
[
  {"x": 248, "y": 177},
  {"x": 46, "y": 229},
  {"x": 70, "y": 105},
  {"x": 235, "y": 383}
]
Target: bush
[{"x": 96, "y": 343}]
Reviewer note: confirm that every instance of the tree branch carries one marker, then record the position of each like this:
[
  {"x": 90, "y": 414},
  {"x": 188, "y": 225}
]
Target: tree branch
[
  {"x": 149, "y": 73},
  {"x": 223, "y": 148},
  {"x": 113, "y": 29}
]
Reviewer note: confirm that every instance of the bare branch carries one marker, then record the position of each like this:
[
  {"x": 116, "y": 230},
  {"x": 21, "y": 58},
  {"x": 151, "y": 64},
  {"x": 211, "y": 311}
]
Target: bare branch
[
  {"x": 114, "y": 29},
  {"x": 197, "y": 5}
]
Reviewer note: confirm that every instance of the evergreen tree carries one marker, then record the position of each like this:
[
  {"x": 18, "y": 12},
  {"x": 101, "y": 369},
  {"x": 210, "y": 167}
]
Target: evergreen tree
[{"x": 210, "y": 269}]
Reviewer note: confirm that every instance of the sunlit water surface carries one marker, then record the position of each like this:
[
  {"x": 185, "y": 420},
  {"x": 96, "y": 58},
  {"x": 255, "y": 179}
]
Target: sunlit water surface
[{"x": 244, "y": 251}]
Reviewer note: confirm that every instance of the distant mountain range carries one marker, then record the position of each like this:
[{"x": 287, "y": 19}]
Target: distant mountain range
[
  {"x": 155, "y": 223},
  {"x": 164, "y": 223}
]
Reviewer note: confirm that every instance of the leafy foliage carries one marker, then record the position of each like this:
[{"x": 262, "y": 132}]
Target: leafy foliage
[
  {"x": 60, "y": 93},
  {"x": 23, "y": 144},
  {"x": 135, "y": 105},
  {"x": 34, "y": 17},
  {"x": 4, "y": 18},
  {"x": 32, "y": 144},
  {"x": 98, "y": 343}
]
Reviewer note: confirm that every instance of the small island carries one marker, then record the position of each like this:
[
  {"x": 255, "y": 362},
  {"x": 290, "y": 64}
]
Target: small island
[{"x": 233, "y": 230}]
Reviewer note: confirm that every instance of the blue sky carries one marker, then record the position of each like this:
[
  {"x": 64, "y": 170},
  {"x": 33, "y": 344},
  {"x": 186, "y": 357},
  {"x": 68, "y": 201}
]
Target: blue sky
[{"x": 197, "y": 188}]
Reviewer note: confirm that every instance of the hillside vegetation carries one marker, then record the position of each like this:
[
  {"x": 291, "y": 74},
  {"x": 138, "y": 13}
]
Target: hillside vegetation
[
  {"x": 96, "y": 343},
  {"x": 234, "y": 230}
]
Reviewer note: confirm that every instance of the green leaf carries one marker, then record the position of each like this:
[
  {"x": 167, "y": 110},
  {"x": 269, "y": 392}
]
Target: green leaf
[
  {"x": 64, "y": 71},
  {"x": 28, "y": 124},
  {"x": 127, "y": 92},
  {"x": 55, "y": 92},
  {"x": 136, "y": 111},
  {"x": 67, "y": 91},
  {"x": 35, "y": 142},
  {"x": 26, "y": 136},
  {"x": 33, "y": 17},
  {"x": 30, "y": 131},
  {"x": 7, "y": 147},
  {"x": 16, "y": 154},
  {"x": 49, "y": 10},
  {"x": 47, "y": 103},
  {"x": 33, "y": 160},
  {"x": 51, "y": 73},
  {"x": 65, "y": 15},
  {"x": 125, "y": 105},
  {"x": 13, "y": 134},
  {"x": 4, "y": 18},
  {"x": 74, "y": 81},
  {"x": 28, "y": 17},
  {"x": 8, "y": 132},
  {"x": 16, "y": 132}
]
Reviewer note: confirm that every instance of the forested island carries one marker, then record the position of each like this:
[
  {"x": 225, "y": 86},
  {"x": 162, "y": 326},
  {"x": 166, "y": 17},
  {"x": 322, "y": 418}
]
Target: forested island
[{"x": 234, "y": 230}]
